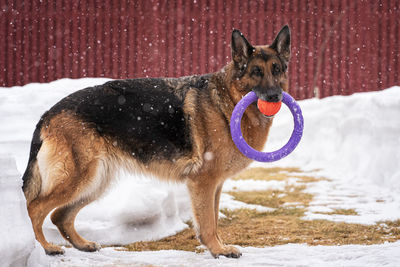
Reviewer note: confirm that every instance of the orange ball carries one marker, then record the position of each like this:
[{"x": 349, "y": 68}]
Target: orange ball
[{"x": 268, "y": 108}]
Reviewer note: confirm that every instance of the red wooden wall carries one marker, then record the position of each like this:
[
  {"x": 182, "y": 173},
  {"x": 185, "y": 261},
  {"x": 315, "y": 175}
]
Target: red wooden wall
[{"x": 338, "y": 46}]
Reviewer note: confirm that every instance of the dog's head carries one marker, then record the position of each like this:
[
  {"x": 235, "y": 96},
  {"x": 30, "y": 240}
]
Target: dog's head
[{"x": 262, "y": 69}]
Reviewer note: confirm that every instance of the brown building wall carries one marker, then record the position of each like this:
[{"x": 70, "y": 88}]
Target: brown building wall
[{"x": 338, "y": 47}]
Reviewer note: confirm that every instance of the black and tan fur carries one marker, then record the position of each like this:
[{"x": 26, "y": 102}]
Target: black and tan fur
[{"x": 175, "y": 129}]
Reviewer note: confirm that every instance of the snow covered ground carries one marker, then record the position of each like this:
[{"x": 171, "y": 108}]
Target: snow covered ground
[
  {"x": 286, "y": 255},
  {"x": 352, "y": 140}
]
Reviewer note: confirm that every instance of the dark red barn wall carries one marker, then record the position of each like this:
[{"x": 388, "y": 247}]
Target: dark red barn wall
[{"x": 338, "y": 47}]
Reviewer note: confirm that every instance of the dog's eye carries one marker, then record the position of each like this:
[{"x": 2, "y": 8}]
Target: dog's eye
[
  {"x": 276, "y": 69},
  {"x": 257, "y": 71}
]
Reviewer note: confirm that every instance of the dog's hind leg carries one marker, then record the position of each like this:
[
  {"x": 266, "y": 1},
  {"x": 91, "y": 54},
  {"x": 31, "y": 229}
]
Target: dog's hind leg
[
  {"x": 203, "y": 196},
  {"x": 64, "y": 217},
  {"x": 52, "y": 172},
  {"x": 38, "y": 210}
]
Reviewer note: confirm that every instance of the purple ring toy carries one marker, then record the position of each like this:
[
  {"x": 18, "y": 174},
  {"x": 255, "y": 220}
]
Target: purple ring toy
[{"x": 250, "y": 152}]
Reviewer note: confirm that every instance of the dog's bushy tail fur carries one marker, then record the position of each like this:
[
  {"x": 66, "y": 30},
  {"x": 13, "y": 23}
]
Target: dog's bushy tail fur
[{"x": 32, "y": 180}]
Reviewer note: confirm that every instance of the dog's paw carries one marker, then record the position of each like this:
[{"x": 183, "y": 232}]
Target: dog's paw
[
  {"x": 89, "y": 247},
  {"x": 52, "y": 250},
  {"x": 192, "y": 166},
  {"x": 227, "y": 251}
]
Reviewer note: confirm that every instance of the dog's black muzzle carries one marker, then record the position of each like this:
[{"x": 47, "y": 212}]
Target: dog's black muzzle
[{"x": 272, "y": 94}]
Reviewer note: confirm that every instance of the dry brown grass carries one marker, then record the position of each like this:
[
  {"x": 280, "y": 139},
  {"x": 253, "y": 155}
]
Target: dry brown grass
[
  {"x": 275, "y": 198},
  {"x": 276, "y": 173},
  {"x": 284, "y": 225},
  {"x": 340, "y": 212},
  {"x": 184, "y": 240}
]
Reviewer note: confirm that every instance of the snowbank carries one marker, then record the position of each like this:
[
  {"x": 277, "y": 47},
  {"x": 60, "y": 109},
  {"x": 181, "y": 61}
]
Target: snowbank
[
  {"x": 355, "y": 138},
  {"x": 18, "y": 246},
  {"x": 135, "y": 209},
  {"x": 22, "y": 106}
]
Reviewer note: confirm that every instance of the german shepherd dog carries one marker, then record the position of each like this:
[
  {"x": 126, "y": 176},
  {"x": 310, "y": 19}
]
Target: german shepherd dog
[{"x": 173, "y": 128}]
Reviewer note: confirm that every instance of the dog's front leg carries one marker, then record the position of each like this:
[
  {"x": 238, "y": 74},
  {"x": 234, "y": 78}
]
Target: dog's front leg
[
  {"x": 216, "y": 207},
  {"x": 202, "y": 193}
]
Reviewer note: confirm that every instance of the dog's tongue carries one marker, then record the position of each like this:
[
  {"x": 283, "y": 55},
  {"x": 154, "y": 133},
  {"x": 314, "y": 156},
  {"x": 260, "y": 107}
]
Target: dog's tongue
[{"x": 268, "y": 108}]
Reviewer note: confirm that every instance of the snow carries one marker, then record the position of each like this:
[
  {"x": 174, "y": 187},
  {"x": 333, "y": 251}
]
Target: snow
[
  {"x": 355, "y": 138},
  {"x": 138, "y": 209},
  {"x": 18, "y": 246},
  {"x": 285, "y": 255},
  {"x": 353, "y": 141}
]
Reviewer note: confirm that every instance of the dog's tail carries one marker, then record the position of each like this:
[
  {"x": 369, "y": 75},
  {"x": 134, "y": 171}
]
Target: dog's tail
[{"x": 32, "y": 180}]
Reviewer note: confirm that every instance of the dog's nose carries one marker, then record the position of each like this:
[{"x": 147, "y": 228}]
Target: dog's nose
[{"x": 273, "y": 96}]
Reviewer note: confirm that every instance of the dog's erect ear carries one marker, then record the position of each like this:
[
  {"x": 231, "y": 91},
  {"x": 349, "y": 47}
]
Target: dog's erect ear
[
  {"x": 241, "y": 49},
  {"x": 281, "y": 43}
]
